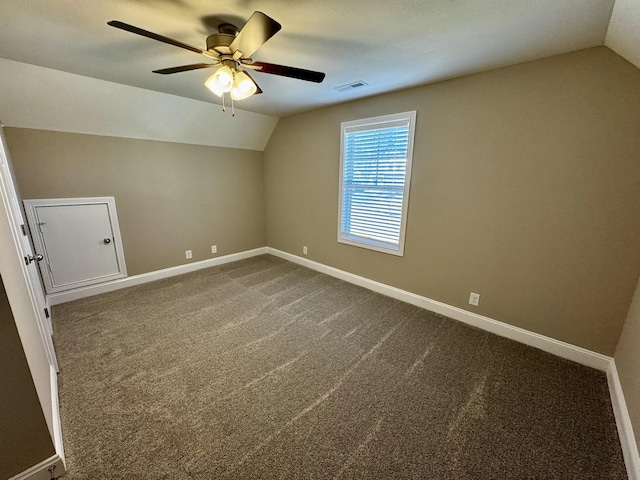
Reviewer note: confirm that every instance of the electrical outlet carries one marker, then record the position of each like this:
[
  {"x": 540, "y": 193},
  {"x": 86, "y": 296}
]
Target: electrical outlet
[
  {"x": 189, "y": 254},
  {"x": 474, "y": 299},
  {"x": 214, "y": 249},
  {"x": 304, "y": 250}
]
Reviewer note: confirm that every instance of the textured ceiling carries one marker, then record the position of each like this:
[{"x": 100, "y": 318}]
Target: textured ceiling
[{"x": 388, "y": 45}]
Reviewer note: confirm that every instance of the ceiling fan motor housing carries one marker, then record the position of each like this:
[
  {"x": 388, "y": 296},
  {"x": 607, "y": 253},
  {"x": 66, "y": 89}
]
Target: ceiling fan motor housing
[{"x": 220, "y": 42}]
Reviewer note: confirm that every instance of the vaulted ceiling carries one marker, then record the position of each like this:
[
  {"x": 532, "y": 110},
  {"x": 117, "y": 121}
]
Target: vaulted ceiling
[{"x": 387, "y": 45}]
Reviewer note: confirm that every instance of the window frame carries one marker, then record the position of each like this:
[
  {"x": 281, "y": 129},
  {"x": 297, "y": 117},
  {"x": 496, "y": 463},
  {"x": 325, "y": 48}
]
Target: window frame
[{"x": 374, "y": 123}]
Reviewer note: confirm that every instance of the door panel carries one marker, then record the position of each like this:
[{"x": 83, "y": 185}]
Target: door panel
[{"x": 80, "y": 241}]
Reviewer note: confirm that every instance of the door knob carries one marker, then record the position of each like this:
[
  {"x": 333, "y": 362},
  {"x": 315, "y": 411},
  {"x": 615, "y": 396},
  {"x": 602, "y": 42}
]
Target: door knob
[
  {"x": 107, "y": 240},
  {"x": 29, "y": 258}
]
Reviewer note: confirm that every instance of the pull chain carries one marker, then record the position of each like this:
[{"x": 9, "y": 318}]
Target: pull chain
[{"x": 224, "y": 108}]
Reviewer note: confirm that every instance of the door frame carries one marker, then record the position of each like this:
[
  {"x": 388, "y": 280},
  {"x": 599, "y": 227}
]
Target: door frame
[
  {"x": 31, "y": 206},
  {"x": 24, "y": 291},
  {"x": 18, "y": 229}
]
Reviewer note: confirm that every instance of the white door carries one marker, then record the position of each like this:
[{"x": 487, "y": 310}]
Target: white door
[
  {"x": 18, "y": 226},
  {"x": 24, "y": 291},
  {"x": 80, "y": 241}
]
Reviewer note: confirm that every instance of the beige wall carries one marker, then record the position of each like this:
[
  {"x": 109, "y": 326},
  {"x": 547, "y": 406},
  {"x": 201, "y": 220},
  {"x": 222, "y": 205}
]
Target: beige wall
[
  {"x": 627, "y": 359},
  {"x": 24, "y": 438},
  {"x": 170, "y": 197},
  {"x": 525, "y": 189}
]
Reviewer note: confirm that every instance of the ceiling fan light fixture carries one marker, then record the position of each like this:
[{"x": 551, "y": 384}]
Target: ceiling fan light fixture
[
  {"x": 221, "y": 81},
  {"x": 243, "y": 86},
  {"x": 229, "y": 50}
]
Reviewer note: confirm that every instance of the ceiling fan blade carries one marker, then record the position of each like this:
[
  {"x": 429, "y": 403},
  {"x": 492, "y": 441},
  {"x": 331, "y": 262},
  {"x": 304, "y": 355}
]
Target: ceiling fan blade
[
  {"x": 258, "y": 29},
  {"x": 160, "y": 38},
  {"x": 185, "y": 68},
  {"x": 299, "y": 73}
]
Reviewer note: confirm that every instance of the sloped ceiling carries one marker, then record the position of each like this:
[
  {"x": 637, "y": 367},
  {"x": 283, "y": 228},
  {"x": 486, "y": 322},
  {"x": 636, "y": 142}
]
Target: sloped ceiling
[
  {"x": 388, "y": 45},
  {"x": 62, "y": 68},
  {"x": 46, "y": 99}
]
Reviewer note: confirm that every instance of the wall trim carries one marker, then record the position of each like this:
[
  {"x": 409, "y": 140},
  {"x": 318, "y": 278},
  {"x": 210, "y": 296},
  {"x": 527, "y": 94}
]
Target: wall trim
[
  {"x": 556, "y": 347},
  {"x": 88, "y": 291},
  {"x": 41, "y": 470},
  {"x": 623, "y": 421},
  {"x": 547, "y": 344},
  {"x": 561, "y": 349},
  {"x": 551, "y": 345}
]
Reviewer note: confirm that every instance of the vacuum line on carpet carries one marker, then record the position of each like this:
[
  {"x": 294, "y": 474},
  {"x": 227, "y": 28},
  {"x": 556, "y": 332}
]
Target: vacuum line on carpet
[{"x": 319, "y": 400}]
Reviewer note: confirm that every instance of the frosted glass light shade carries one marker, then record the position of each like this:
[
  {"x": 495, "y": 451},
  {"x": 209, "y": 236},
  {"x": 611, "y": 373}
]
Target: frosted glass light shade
[
  {"x": 243, "y": 86},
  {"x": 221, "y": 81}
]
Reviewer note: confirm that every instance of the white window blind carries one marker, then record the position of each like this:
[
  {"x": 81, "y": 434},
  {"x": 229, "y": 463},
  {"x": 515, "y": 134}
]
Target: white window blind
[{"x": 374, "y": 183}]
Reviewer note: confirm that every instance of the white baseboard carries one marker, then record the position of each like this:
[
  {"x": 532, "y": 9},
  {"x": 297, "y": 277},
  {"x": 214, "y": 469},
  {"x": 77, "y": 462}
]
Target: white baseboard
[
  {"x": 75, "y": 294},
  {"x": 551, "y": 345},
  {"x": 41, "y": 470},
  {"x": 625, "y": 430},
  {"x": 548, "y": 344},
  {"x": 556, "y": 347}
]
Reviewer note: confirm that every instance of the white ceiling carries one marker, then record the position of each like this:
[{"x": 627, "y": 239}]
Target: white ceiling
[{"x": 388, "y": 45}]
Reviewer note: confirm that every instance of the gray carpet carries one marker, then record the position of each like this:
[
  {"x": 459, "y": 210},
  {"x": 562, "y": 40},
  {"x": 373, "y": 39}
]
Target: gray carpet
[{"x": 262, "y": 369}]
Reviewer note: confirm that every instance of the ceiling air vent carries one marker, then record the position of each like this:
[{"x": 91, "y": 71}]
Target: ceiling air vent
[{"x": 350, "y": 86}]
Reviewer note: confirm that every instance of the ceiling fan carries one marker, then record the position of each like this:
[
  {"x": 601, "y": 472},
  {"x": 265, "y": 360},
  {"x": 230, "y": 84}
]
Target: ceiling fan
[{"x": 231, "y": 49}]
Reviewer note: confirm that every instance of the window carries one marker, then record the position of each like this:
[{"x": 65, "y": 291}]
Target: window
[{"x": 375, "y": 172}]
